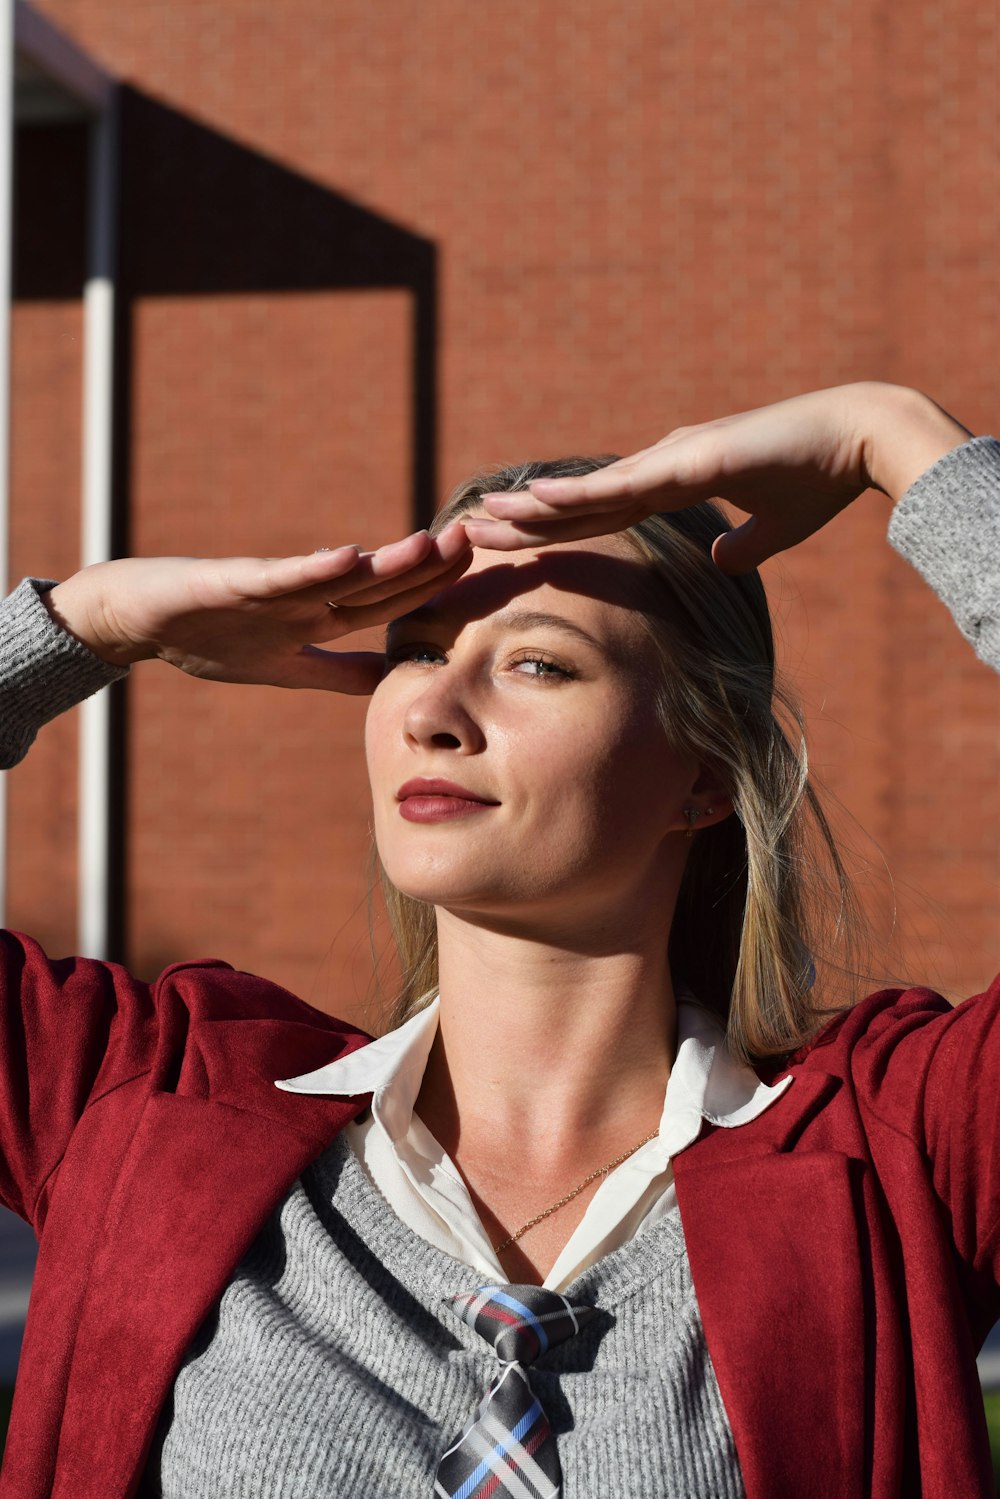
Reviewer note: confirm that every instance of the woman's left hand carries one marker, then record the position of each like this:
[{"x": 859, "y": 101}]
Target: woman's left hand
[{"x": 791, "y": 467}]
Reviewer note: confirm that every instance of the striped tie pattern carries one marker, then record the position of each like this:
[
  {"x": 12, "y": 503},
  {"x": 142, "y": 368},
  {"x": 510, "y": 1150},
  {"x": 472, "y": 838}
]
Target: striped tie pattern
[{"x": 507, "y": 1448}]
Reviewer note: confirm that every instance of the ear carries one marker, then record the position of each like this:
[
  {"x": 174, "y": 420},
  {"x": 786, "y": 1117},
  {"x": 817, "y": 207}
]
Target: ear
[{"x": 707, "y": 802}]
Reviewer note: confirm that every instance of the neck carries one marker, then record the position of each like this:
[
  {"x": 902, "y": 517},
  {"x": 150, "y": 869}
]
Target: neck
[{"x": 562, "y": 1047}]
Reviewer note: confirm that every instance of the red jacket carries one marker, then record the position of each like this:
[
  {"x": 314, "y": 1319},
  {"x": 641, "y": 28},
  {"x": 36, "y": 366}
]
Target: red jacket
[{"x": 845, "y": 1245}]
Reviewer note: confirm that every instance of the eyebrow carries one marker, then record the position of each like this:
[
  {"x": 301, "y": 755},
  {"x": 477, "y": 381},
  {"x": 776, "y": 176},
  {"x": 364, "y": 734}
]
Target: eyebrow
[{"x": 509, "y": 619}]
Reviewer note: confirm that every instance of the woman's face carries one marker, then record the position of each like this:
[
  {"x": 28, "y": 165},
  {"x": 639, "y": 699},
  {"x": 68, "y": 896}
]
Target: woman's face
[{"x": 529, "y": 686}]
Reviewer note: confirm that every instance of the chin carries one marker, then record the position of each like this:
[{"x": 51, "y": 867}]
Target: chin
[
  {"x": 461, "y": 885},
  {"x": 439, "y": 890}
]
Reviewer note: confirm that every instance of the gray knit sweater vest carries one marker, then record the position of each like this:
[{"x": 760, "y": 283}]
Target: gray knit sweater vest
[{"x": 331, "y": 1370}]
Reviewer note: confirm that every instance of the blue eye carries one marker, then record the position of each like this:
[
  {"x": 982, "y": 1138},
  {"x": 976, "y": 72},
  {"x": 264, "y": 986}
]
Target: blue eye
[
  {"x": 412, "y": 653},
  {"x": 529, "y": 664},
  {"x": 544, "y": 667}
]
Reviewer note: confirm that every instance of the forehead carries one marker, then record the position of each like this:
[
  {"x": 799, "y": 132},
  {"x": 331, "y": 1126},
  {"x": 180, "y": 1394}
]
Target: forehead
[{"x": 601, "y": 581}]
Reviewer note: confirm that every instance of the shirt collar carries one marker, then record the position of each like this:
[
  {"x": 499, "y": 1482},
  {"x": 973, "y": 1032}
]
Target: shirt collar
[{"x": 705, "y": 1082}]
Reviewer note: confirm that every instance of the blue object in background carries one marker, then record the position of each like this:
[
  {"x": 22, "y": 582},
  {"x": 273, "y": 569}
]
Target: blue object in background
[
  {"x": 17, "y": 1263},
  {"x": 989, "y": 1361}
]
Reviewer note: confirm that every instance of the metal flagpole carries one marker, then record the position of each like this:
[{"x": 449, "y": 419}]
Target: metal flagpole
[{"x": 93, "y": 901}]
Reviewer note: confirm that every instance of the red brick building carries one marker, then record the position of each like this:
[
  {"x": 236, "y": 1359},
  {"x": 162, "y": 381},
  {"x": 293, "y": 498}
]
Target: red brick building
[{"x": 368, "y": 248}]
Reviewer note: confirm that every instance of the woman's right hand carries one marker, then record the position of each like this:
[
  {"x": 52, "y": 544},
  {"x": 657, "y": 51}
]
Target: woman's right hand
[{"x": 254, "y": 619}]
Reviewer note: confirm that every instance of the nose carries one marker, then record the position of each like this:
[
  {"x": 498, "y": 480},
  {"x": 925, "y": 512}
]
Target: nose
[{"x": 441, "y": 717}]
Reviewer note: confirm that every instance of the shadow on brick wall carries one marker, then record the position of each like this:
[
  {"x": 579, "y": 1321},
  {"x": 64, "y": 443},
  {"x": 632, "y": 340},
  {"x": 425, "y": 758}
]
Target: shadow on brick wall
[{"x": 200, "y": 214}]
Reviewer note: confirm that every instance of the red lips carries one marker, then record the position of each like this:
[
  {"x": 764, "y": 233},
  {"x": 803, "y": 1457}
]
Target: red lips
[{"x": 429, "y": 799}]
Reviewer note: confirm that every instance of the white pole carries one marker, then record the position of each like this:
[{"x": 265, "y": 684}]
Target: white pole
[
  {"x": 6, "y": 292},
  {"x": 94, "y": 866}
]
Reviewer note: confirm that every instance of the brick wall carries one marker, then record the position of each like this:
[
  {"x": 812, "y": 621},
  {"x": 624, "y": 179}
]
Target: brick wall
[{"x": 645, "y": 214}]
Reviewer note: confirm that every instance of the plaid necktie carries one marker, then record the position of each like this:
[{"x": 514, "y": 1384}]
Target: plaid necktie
[{"x": 507, "y": 1447}]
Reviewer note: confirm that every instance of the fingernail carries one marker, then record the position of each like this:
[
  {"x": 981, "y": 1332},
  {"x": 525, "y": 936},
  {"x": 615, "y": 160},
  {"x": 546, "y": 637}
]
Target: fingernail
[
  {"x": 391, "y": 546},
  {"x": 451, "y": 528}
]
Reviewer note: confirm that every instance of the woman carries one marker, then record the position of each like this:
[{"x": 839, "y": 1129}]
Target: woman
[{"x": 701, "y": 1279}]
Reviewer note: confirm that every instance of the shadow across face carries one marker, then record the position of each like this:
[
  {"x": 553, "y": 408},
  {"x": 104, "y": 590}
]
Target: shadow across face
[{"x": 601, "y": 571}]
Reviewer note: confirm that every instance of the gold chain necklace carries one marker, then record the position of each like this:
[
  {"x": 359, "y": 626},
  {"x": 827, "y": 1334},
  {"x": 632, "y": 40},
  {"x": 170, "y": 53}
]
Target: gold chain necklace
[{"x": 512, "y": 1239}]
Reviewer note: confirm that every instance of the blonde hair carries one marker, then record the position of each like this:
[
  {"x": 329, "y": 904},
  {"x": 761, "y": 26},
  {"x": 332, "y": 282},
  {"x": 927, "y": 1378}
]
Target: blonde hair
[{"x": 766, "y": 918}]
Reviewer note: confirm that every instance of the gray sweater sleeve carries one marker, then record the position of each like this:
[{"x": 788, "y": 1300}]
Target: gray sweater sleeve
[
  {"x": 947, "y": 525},
  {"x": 43, "y": 670}
]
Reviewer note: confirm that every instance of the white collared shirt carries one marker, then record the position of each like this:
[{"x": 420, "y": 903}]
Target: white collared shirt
[{"x": 422, "y": 1184}]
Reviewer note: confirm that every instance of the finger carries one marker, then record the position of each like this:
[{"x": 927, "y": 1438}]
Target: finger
[
  {"x": 440, "y": 553},
  {"x": 547, "y": 497},
  {"x": 379, "y": 579},
  {"x": 525, "y": 505},
  {"x": 510, "y": 536},
  {"x": 746, "y": 547},
  {"x": 771, "y": 531},
  {"x": 329, "y": 620},
  {"x": 657, "y": 478},
  {"x": 354, "y": 617},
  {"x": 376, "y": 575},
  {"x": 272, "y": 577},
  {"x": 348, "y": 569},
  {"x": 357, "y": 673}
]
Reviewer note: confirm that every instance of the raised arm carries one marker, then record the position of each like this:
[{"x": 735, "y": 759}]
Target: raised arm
[
  {"x": 791, "y": 467},
  {"x": 43, "y": 669},
  {"x": 947, "y": 525},
  {"x": 234, "y": 619}
]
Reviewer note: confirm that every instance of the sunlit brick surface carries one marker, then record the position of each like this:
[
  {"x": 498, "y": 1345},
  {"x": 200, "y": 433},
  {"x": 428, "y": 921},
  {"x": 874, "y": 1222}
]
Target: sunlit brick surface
[{"x": 644, "y": 215}]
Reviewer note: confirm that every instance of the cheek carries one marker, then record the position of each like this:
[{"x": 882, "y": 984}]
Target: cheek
[
  {"x": 635, "y": 781},
  {"x": 381, "y": 722}
]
